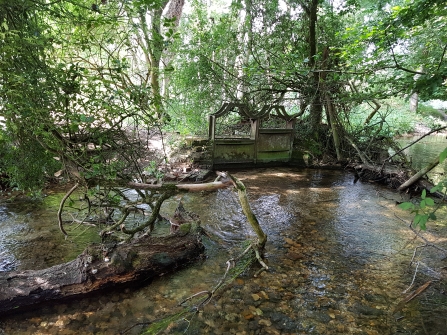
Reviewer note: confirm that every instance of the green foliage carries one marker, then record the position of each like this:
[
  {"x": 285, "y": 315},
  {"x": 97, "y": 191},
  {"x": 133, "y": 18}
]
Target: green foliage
[
  {"x": 443, "y": 155},
  {"x": 421, "y": 211},
  {"x": 425, "y": 209},
  {"x": 153, "y": 171},
  {"x": 393, "y": 118},
  {"x": 72, "y": 79},
  {"x": 27, "y": 164},
  {"x": 400, "y": 46},
  {"x": 432, "y": 117}
]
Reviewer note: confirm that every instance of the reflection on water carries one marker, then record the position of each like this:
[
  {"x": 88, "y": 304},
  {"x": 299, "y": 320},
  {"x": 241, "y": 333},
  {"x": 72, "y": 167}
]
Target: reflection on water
[
  {"x": 424, "y": 152},
  {"x": 337, "y": 254},
  {"x": 30, "y": 236}
]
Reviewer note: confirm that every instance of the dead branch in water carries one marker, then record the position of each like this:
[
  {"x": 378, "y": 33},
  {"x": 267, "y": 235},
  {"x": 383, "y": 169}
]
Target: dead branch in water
[
  {"x": 419, "y": 175},
  {"x": 61, "y": 206},
  {"x": 247, "y": 257},
  {"x": 241, "y": 190}
]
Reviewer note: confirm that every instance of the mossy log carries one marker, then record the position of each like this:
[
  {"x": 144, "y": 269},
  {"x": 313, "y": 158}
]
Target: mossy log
[{"x": 97, "y": 269}]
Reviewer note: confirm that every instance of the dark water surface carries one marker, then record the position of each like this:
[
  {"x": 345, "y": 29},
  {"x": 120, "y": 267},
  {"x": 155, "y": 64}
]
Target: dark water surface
[{"x": 338, "y": 256}]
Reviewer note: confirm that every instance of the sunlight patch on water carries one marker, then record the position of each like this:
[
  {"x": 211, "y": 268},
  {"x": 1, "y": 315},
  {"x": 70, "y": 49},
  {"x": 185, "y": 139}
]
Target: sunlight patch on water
[{"x": 337, "y": 256}]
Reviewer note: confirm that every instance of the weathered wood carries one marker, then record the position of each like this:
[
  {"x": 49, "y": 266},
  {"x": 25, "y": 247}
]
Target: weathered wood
[
  {"x": 251, "y": 217},
  {"x": 419, "y": 174},
  {"x": 381, "y": 169},
  {"x": 97, "y": 269},
  {"x": 396, "y": 177},
  {"x": 212, "y": 186},
  {"x": 385, "y": 174}
]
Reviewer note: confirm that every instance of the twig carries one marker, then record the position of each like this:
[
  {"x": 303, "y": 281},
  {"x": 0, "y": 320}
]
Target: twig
[
  {"x": 61, "y": 206},
  {"x": 230, "y": 264},
  {"x": 196, "y": 295},
  {"x": 427, "y": 243},
  {"x": 411, "y": 296},
  {"x": 258, "y": 256},
  {"x": 420, "y": 138},
  {"x": 414, "y": 252},
  {"x": 414, "y": 277}
]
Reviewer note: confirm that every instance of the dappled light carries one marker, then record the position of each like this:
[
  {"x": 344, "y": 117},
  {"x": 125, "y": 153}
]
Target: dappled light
[
  {"x": 223, "y": 167},
  {"x": 335, "y": 255}
]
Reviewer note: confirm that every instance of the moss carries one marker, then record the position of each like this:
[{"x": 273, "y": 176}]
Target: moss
[
  {"x": 185, "y": 228},
  {"x": 161, "y": 325}
]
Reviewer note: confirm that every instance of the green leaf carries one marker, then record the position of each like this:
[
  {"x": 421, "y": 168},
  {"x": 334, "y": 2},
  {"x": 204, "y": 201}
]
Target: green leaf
[
  {"x": 435, "y": 188},
  {"x": 443, "y": 155},
  {"x": 432, "y": 216},
  {"x": 429, "y": 202},
  {"x": 424, "y": 194},
  {"x": 417, "y": 219},
  {"x": 406, "y": 205},
  {"x": 421, "y": 220},
  {"x": 422, "y": 204}
]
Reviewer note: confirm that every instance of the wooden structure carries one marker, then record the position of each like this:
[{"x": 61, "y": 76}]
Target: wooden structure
[{"x": 240, "y": 137}]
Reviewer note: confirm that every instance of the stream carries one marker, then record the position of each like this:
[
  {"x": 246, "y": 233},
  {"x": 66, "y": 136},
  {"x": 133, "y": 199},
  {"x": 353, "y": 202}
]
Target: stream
[{"x": 338, "y": 254}]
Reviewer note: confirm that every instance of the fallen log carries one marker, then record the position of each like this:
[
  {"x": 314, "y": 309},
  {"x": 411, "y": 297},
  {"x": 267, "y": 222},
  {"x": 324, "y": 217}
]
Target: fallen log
[
  {"x": 389, "y": 175},
  {"x": 394, "y": 177},
  {"x": 419, "y": 174},
  {"x": 98, "y": 268}
]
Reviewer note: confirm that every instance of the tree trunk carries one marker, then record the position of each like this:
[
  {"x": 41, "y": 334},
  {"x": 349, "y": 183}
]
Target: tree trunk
[
  {"x": 97, "y": 269},
  {"x": 414, "y": 102},
  {"x": 316, "y": 108},
  {"x": 334, "y": 127},
  {"x": 175, "y": 10}
]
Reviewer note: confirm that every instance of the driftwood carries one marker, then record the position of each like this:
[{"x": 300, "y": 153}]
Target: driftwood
[
  {"x": 395, "y": 177},
  {"x": 252, "y": 220},
  {"x": 98, "y": 268},
  {"x": 384, "y": 174},
  {"x": 212, "y": 186},
  {"x": 419, "y": 174}
]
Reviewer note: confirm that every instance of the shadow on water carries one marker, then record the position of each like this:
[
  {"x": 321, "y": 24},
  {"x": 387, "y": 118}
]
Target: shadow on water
[
  {"x": 338, "y": 257},
  {"x": 30, "y": 237}
]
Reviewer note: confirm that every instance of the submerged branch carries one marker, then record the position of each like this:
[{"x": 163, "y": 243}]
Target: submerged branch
[
  {"x": 419, "y": 174},
  {"x": 61, "y": 206},
  {"x": 153, "y": 217},
  {"x": 262, "y": 237}
]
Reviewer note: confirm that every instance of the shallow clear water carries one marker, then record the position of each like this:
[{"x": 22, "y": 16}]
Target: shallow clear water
[
  {"x": 425, "y": 151},
  {"x": 338, "y": 263},
  {"x": 30, "y": 237}
]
